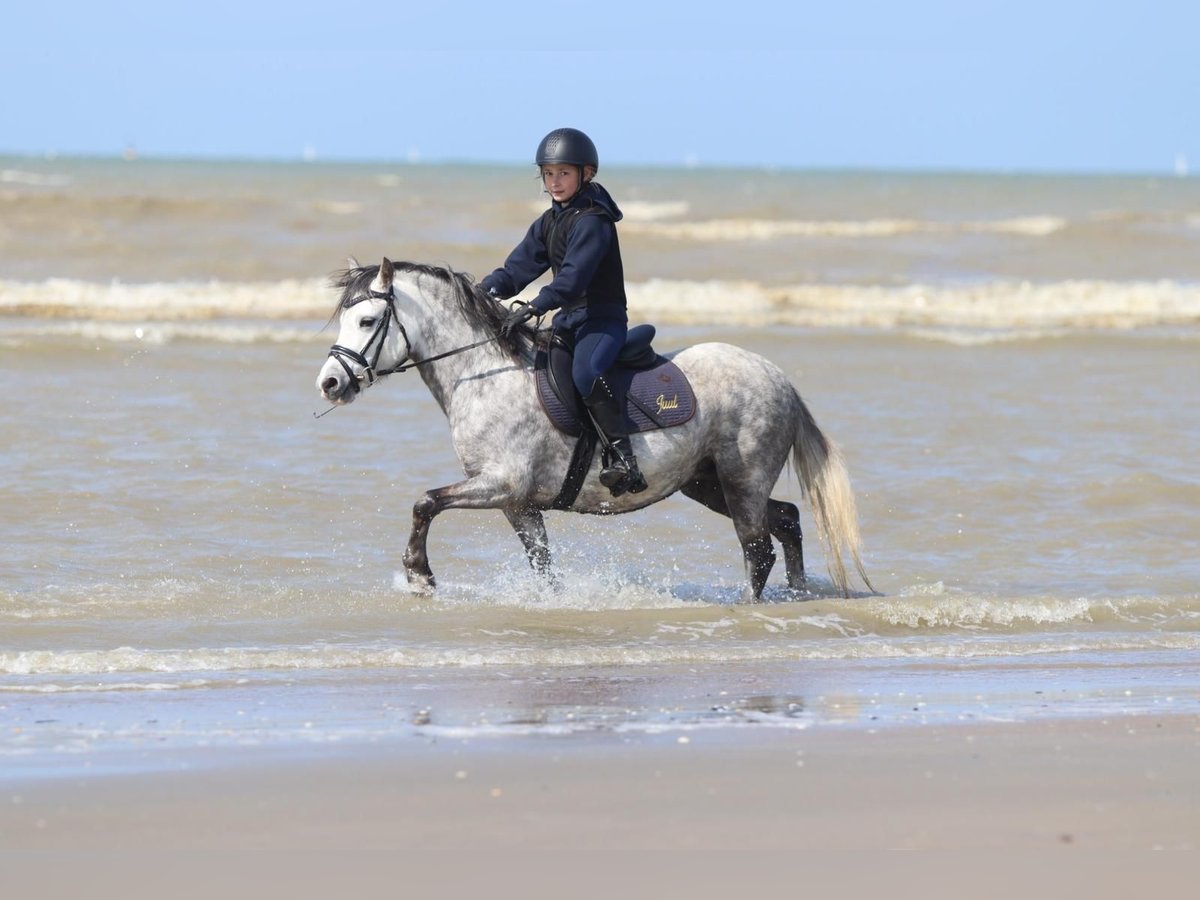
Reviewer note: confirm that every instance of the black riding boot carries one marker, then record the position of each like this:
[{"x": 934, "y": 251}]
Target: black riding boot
[{"x": 620, "y": 472}]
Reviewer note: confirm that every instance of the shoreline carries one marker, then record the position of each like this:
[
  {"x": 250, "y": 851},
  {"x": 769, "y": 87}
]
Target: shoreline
[
  {"x": 1128, "y": 782},
  {"x": 135, "y": 724}
]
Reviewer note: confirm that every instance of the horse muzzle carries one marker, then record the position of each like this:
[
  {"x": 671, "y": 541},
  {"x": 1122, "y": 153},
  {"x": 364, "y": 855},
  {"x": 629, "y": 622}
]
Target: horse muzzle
[{"x": 337, "y": 387}]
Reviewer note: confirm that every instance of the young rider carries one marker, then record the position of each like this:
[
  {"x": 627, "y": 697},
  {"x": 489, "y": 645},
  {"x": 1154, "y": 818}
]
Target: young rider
[{"x": 576, "y": 238}]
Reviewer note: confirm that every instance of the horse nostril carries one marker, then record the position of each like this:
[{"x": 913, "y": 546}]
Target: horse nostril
[{"x": 329, "y": 384}]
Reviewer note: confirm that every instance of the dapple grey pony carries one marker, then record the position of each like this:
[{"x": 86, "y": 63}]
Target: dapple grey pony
[{"x": 728, "y": 456}]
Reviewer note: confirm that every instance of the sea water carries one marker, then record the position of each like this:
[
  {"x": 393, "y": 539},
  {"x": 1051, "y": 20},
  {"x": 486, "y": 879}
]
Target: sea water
[{"x": 189, "y": 559}]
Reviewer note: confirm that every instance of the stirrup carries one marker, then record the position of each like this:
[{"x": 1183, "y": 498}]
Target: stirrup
[{"x": 621, "y": 474}]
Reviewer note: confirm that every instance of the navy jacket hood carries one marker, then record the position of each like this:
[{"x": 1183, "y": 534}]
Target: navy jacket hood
[{"x": 595, "y": 193}]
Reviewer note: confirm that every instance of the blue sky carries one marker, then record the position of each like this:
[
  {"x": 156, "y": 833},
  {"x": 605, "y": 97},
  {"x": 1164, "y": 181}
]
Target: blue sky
[{"x": 932, "y": 84}]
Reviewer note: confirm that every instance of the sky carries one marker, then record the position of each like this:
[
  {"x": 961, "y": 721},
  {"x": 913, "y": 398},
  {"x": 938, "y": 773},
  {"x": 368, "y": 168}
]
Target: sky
[{"x": 1022, "y": 85}]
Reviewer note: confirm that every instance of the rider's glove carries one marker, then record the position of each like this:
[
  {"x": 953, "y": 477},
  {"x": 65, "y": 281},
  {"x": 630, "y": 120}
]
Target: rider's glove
[{"x": 516, "y": 316}]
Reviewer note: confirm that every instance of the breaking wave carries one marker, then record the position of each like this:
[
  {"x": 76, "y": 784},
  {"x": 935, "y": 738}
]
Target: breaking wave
[
  {"x": 225, "y": 311},
  {"x": 136, "y": 661},
  {"x": 926, "y": 622},
  {"x": 772, "y": 229}
]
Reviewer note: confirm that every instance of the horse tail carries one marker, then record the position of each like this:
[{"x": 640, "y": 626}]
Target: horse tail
[{"x": 826, "y": 482}]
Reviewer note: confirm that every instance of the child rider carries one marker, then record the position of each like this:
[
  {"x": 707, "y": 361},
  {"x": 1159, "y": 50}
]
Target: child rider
[{"x": 576, "y": 238}]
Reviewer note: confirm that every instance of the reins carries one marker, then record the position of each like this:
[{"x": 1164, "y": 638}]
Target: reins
[
  {"x": 421, "y": 362},
  {"x": 370, "y": 373}
]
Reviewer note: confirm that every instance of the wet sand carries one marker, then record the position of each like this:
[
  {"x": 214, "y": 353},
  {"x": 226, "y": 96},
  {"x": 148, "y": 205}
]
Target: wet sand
[{"x": 1120, "y": 783}]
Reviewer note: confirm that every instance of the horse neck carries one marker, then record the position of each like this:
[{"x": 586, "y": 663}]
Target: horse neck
[{"x": 436, "y": 326}]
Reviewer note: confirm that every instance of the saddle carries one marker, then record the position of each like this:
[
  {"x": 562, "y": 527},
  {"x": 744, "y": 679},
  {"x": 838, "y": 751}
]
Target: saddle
[{"x": 657, "y": 393}]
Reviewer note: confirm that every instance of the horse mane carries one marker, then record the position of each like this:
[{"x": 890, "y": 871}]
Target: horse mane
[{"x": 481, "y": 310}]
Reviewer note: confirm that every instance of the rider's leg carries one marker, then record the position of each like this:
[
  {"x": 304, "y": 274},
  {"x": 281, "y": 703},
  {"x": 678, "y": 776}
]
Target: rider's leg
[
  {"x": 620, "y": 473},
  {"x": 598, "y": 342}
]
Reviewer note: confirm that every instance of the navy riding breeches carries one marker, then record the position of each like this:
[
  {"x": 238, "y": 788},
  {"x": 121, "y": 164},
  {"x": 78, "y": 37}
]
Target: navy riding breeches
[{"x": 598, "y": 342}]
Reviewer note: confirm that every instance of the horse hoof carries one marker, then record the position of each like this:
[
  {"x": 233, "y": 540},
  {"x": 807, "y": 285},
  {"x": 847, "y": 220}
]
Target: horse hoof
[{"x": 420, "y": 583}]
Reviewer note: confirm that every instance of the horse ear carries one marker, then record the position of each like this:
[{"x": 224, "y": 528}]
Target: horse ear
[
  {"x": 352, "y": 263},
  {"x": 386, "y": 273}
]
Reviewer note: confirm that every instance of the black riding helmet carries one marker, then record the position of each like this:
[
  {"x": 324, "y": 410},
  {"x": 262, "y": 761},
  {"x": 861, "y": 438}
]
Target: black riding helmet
[{"x": 567, "y": 145}]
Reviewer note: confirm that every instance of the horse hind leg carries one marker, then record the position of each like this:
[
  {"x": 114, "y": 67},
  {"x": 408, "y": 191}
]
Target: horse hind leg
[
  {"x": 783, "y": 521},
  {"x": 753, "y": 533},
  {"x": 759, "y": 556},
  {"x": 783, "y": 518}
]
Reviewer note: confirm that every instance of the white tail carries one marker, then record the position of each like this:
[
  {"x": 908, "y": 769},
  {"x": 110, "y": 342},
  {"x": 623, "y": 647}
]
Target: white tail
[{"x": 825, "y": 481}]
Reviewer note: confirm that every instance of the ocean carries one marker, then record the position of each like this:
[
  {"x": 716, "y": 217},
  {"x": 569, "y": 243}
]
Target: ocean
[{"x": 190, "y": 560}]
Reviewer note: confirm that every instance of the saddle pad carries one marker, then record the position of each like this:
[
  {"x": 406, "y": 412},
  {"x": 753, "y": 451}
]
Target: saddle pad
[{"x": 657, "y": 397}]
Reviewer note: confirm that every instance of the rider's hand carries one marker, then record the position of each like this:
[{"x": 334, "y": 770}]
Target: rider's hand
[{"x": 516, "y": 316}]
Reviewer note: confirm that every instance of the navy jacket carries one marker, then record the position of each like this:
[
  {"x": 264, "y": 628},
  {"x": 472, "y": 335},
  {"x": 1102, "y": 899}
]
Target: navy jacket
[{"x": 589, "y": 279}]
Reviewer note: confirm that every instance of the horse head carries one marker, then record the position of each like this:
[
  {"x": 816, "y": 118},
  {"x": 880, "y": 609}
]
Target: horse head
[{"x": 371, "y": 339}]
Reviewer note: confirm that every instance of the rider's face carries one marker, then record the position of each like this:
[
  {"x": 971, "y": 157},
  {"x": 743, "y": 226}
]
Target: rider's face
[{"x": 561, "y": 181}]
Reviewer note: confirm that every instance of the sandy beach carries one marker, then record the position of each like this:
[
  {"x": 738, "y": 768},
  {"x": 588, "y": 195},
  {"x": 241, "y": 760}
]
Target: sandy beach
[{"x": 1049, "y": 810}]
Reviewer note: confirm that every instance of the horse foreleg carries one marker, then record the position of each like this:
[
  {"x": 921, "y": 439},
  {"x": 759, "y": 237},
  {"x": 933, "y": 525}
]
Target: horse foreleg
[
  {"x": 477, "y": 492},
  {"x": 416, "y": 554},
  {"x": 530, "y": 527}
]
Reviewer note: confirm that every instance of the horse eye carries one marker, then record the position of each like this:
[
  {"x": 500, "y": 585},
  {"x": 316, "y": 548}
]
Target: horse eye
[{"x": 366, "y": 322}]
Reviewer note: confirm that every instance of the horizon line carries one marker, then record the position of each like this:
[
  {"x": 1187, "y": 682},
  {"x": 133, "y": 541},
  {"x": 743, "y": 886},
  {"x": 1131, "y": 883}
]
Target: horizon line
[{"x": 1179, "y": 169}]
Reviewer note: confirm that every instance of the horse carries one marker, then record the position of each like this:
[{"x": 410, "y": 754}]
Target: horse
[{"x": 728, "y": 456}]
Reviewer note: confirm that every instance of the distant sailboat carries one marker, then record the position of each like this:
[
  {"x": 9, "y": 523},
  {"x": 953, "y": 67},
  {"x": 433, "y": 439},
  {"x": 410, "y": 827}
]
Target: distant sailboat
[{"x": 1181, "y": 164}]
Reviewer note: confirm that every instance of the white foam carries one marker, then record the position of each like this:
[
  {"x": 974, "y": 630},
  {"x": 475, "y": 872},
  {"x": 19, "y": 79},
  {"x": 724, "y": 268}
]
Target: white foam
[
  {"x": 574, "y": 591},
  {"x": 1032, "y": 226},
  {"x": 956, "y": 313},
  {"x": 108, "y": 687},
  {"x": 648, "y": 211},
  {"x": 742, "y": 229},
  {"x": 33, "y": 179},
  {"x": 159, "y": 333},
  {"x": 638, "y": 211},
  {"x": 1023, "y": 306},
  {"x": 247, "y": 660},
  {"x": 339, "y": 207},
  {"x": 167, "y": 301}
]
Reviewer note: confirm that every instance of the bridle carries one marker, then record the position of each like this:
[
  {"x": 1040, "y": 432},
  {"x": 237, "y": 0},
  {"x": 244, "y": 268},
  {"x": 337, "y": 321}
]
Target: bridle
[
  {"x": 370, "y": 367},
  {"x": 370, "y": 371}
]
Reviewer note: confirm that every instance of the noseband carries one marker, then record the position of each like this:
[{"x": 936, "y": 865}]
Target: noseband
[{"x": 370, "y": 372}]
